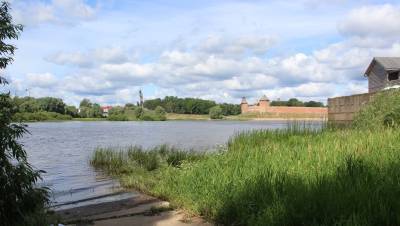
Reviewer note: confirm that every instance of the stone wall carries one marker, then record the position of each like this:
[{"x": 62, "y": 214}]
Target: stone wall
[
  {"x": 281, "y": 111},
  {"x": 298, "y": 110},
  {"x": 263, "y": 107},
  {"x": 343, "y": 109},
  {"x": 255, "y": 108}
]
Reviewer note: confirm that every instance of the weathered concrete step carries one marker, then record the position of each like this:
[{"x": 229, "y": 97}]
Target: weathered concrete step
[{"x": 141, "y": 210}]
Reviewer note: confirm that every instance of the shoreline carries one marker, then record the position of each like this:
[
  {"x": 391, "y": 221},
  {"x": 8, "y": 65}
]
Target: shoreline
[
  {"x": 189, "y": 119},
  {"x": 141, "y": 209}
]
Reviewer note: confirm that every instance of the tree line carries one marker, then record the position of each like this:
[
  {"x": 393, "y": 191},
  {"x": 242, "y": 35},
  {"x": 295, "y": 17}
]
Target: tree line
[
  {"x": 293, "y": 102},
  {"x": 51, "y": 108},
  {"x": 178, "y": 105}
]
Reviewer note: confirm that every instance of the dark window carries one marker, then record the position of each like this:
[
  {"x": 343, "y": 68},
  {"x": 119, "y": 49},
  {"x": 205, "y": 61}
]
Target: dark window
[{"x": 393, "y": 75}]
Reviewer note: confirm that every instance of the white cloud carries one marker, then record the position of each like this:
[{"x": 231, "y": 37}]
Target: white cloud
[
  {"x": 76, "y": 8},
  {"x": 234, "y": 47},
  {"x": 374, "y": 20},
  {"x": 128, "y": 71},
  {"x": 305, "y": 91},
  {"x": 89, "y": 58},
  {"x": 31, "y": 13},
  {"x": 45, "y": 80},
  {"x": 76, "y": 59}
]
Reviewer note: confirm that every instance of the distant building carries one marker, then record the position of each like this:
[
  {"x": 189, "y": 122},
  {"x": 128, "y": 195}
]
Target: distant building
[
  {"x": 383, "y": 73},
  {"x": 105, "y": 110},
  {"x": 263, "y": 106}
]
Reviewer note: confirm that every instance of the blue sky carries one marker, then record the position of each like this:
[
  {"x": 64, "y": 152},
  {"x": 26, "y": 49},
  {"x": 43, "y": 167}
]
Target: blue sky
[{"x": 106, "y": 50}]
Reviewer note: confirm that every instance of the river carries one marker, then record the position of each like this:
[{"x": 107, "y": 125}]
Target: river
[{"x": 63, "y": 150}]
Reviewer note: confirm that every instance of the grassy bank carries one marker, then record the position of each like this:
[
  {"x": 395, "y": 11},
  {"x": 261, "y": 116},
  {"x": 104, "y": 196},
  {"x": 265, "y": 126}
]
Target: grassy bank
[
  {"x": 287, "y": 177},
  {"x": 248, "y": 116},
  {"x": 266, "y": 116},
  {"x": 174, "y": 116},
  {"x": 40, "y": 116},
  {"x": 90, "y": 119}
]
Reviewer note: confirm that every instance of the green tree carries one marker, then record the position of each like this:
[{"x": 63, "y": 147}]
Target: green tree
[
  {"x": 20, "y": 198},
  {"x": 72, "y": 111},
  {"x": 139, "y": 112},
  {"x": 230, "y": 109},
  {"x": 279, "y": 103},
  {"x": 130, "y": 106},
  {"x": 216, "y": 112},
  {"x": 30, "y": 105},
  {"x": 85, "y": 103},
  {"x": 293, "y": 102},
  {"x": 313, "y": 104},
  {"x": 160, "y": 113},
  {"x": 96, "y": 111},
  {"x": 52, "y": 104},
  {"x": 152, "y": 104}
]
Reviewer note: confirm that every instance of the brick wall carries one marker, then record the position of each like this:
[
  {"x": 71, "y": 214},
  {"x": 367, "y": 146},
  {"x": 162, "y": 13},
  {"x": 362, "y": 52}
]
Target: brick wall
[
  {"x": 298, "y": 110},
  {"x": 343, "y": 109},
  {"x": 281, "y": 111}
]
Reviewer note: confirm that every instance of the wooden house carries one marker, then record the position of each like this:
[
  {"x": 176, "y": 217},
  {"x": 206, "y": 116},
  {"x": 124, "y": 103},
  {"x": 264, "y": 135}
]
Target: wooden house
[{"x": 383, "y": 73}]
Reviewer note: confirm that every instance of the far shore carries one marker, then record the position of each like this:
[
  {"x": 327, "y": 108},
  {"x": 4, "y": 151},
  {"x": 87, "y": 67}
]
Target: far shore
[{"x": 197, "y": 117}]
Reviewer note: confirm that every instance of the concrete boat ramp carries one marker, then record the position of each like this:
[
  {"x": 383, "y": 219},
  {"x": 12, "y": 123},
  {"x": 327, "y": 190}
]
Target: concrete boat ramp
[{"x": 140, "y": 210}]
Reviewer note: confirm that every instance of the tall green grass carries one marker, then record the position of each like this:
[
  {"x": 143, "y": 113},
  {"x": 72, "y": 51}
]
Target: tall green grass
[
  {"x": 382, "y": 111},
  {"x": 140, "y": 168},
  {"x": 283, "y": 177}
]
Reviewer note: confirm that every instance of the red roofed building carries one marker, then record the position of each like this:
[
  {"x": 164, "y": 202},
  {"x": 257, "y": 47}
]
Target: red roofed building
[{"x": 105, "y": 110}]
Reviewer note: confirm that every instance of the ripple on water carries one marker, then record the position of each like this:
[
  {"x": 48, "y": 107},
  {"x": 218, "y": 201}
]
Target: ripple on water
[{"x": 63, "y": 149}]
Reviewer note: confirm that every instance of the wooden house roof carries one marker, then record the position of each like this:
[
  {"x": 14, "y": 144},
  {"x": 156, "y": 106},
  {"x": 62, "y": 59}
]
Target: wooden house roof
[{"x": 388, "y": 63}]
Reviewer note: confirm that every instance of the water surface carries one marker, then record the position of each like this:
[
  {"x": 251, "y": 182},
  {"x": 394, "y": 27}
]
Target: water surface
[{"x": 63, "y": 149}]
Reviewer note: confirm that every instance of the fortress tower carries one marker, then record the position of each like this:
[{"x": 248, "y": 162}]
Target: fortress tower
[
  {"x": 263, "y": 104},
  {"x": 244, "y": 106}
]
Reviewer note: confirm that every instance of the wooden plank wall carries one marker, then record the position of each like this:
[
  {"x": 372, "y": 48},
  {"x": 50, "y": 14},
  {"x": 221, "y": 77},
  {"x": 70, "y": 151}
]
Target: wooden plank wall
[{"x": 343, "y": 109}]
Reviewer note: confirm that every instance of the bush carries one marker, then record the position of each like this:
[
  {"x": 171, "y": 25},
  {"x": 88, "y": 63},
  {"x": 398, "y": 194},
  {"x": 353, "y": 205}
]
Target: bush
[
  {"x": 118, "y": 117},
  {"x": 215, "y": 112},
  {"x": 40, "y": 116},
  {"x": 382, "y": 111},
  {"x": 138, "y": 112},
  {"x": 160, "y": 113},
  {"x": 148, "y": 116}
]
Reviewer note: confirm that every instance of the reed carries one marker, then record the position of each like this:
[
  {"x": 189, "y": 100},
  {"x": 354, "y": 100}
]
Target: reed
[
  {"x": 116, "y": 160},
  {"x": 296, "y": 176}
]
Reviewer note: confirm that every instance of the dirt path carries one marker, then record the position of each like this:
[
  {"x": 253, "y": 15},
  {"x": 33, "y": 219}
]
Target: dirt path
[{"x": 141, "y": 210}]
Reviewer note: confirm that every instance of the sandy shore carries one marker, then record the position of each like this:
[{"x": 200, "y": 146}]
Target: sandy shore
[{"x": 141, "y": 210}]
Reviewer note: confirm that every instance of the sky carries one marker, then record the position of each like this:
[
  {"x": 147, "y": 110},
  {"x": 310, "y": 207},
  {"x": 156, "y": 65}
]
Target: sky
[{"x": 106, "y": 50}]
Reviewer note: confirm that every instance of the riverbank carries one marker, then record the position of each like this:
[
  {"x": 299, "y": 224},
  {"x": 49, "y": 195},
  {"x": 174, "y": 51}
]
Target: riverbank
[
  {"x": 194, "y": 117},
  {"x": 275, "y": 177},
  {"x": 251, "y": 116},
  {"x": 140, "y": 210},
  {"x": 174, "y": 116}
]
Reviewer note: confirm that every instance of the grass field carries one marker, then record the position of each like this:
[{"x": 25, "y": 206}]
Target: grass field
[
  {"x": 173, "y": 116},
  {"x": 286, "y": 177}
]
